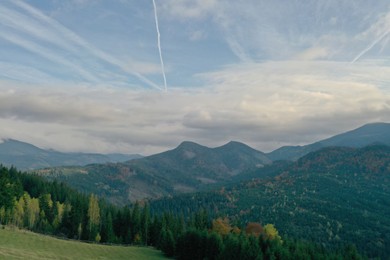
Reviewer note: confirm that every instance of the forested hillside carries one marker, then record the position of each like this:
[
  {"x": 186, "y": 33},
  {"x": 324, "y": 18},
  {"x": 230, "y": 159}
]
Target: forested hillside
[
  {"x": 186, "y": 168},
  {"x": 27, "y": 201},
  {"x": 332, "y": 197}
]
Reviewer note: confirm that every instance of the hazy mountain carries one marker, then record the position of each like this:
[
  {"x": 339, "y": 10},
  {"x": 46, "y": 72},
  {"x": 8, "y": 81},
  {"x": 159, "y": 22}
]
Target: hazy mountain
[
  {"x": 207, "y": 164},
  {"x": 376, "y": 133},
  {"x": 183, "y": 169},
  {"x": 332, "y": 196},
  {"x": 26, "y": 156}
]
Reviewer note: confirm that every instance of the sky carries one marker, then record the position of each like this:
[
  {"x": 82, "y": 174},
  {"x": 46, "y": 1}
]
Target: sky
[{"x": 137, "y": 76}]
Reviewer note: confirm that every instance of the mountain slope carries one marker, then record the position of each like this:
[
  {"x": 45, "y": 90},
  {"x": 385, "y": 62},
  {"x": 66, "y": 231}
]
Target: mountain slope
[
  {"x": 205, "y": 163},
  {"x": 183, "y": 169},
  {"x": 376, "y": 133},
  {"x": 22, "y": 244},
  {"x": 332, "y": 196},
  {"x": 26, "y": 156}
]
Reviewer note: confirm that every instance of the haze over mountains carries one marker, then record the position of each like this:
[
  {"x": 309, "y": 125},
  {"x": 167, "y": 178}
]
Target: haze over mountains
[
  {"x": 333, "y": 191},
  {"x": 26, "y": 156},
  {"x": 191, "y": 167},
  {"x": 376, "y": 133},
  {"x": 186, "y": 168}
]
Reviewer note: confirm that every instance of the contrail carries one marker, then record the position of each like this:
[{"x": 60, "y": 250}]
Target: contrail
[
  {"x": 159, "y": 45},
  {"x": 370, "y": 47},
  {"x": 72, "y": 38}
]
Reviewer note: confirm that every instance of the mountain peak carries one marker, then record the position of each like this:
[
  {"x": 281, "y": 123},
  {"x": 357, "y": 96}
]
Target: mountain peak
[
  {"x": 190, "y": 145},
  {"x": 9, "y": 145},
  {"x": 362, "y": 136},
  {"x": 235, "y": 145},
  {"x": 368, "y": 134}
]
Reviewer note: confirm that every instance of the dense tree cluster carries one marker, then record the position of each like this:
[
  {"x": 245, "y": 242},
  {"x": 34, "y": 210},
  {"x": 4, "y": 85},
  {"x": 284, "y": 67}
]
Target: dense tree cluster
[
  {"x": 333, "y": 197},
  {"x": 223, "y": 241},
  {"x": 29, "y": 202}
]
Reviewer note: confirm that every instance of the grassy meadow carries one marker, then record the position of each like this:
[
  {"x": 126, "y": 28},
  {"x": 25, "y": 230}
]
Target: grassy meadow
[{"x": 20, "y": 244}]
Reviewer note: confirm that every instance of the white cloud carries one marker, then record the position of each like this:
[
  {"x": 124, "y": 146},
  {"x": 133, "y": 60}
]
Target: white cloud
[
  {"x": 279, "y": 30},
  {"x": 264, "y": 105},
  {"x": 189, "y": 9},
  {"x": 313, "y": 53},
  {"x": 197, "y": 35},
  {"x": 293, "y": 82}
]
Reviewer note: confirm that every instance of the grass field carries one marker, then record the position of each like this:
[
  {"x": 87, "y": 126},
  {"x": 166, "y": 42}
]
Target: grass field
[{"x": 18, "y": 244}]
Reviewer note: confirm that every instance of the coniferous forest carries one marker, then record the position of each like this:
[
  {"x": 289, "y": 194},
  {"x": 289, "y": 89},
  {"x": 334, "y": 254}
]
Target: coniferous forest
[{"x": 30, "y": 202}]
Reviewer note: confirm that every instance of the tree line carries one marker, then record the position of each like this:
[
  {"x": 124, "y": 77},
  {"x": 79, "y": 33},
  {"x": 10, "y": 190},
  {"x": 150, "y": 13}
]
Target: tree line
[{"x": 30, "y": 202}]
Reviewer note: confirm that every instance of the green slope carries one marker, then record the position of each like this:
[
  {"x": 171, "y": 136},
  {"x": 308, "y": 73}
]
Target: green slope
[
  {"x": 334, "y": 196},
  {"x": 187, "y": 168},
  {"x": 18, "y": 244}
]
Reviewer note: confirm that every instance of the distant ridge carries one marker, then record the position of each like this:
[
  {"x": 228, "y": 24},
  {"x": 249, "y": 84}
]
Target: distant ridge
[
  {"x": 188, "y": 167},
  {"x": 25, "y": 156},
  {"x": 375, "y": 133}
]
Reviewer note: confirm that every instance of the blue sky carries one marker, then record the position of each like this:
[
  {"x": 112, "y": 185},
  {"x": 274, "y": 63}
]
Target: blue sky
[{"x": 81, "y": 75}]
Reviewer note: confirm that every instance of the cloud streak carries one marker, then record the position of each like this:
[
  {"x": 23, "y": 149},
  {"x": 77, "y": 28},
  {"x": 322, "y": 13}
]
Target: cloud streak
[
  {"x": 46, "y": 29},
  {"x": 47, "y": 54},
  {"x": 277, "y": 103},
  {"x": 268, "y": 73},
  {"x": 380, "y": 31}
]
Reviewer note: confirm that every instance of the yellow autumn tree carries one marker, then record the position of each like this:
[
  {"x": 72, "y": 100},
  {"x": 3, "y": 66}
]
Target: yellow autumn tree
[
  {"x": 272, "y": 233},
  {"x": 33, "y": 212},
  {"x": 18, "y": 216},
  {"x": 221, "y": 226},
  {"x": 93, "y": 216},
  {"x": 59, "y": 214},
  {"x": 31, "y": 209}
]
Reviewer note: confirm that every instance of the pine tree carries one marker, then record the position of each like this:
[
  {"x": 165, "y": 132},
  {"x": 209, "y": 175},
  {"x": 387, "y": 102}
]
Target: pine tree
[
  {"x": 167, "y": 243},
  {"x": 136, "y": 220},
  {"x": 110, "y": 230},
  {"x": 145, "y": 223},
  {"x": 214, "y": 246},
  {"x": 231, "y": 248}
]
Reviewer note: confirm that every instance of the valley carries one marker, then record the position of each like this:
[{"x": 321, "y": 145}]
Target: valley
[
  {"x": 335, "y": 195},
  {"x": 195, "y": 130},
  {"x": 191, "y": 167}
]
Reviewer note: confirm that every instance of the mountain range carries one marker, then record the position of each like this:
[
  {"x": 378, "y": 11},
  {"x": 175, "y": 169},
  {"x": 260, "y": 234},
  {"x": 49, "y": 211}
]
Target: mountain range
[
  {"x": 26, "y": 156},
  {"x": 186, "y": 168},
  {"x": 192, "y": 167},
  {"x": 375, "y": 133},
  {"x": 333, "y": 191}
]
